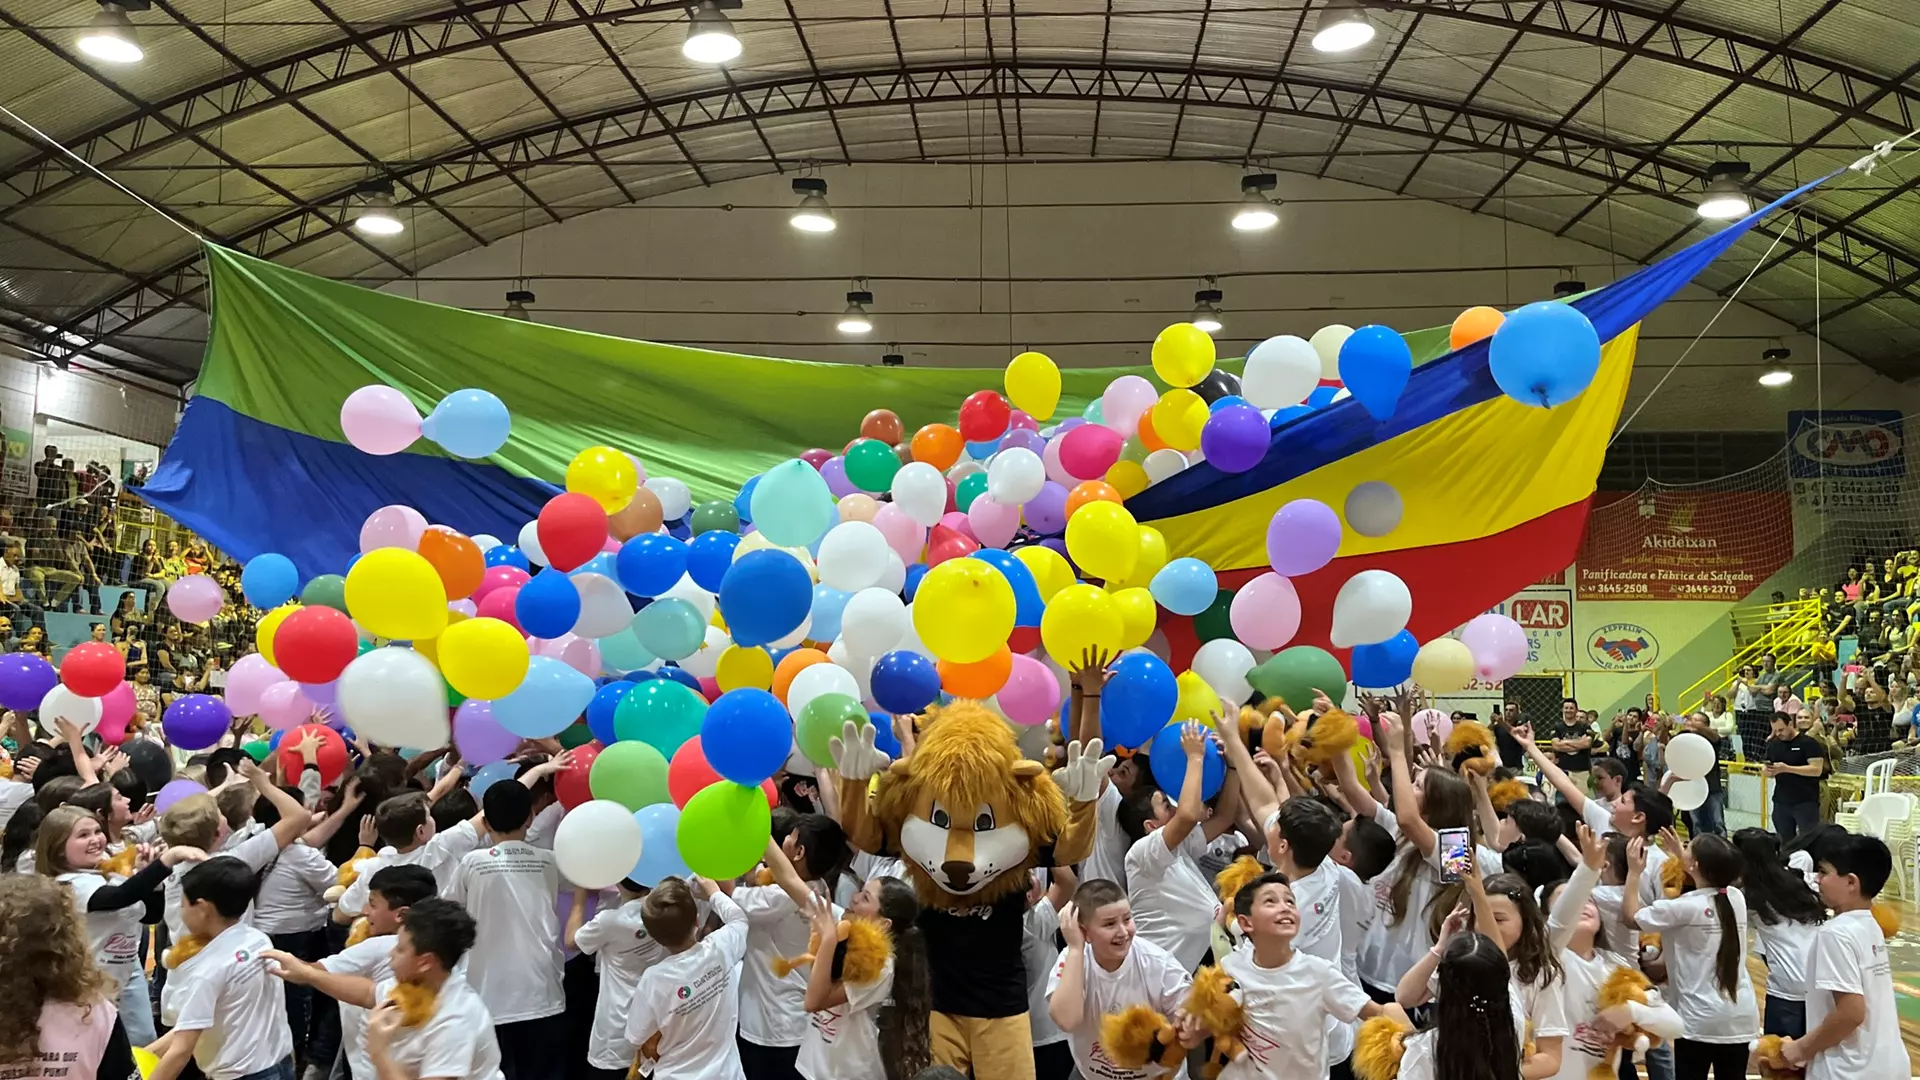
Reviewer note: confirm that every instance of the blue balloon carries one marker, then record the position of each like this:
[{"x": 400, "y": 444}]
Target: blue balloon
[
  {"x": 904, "y": 682},
  {"x": 274, "y": 743},
  {"x": 680, "y": 675},
  {"x": 503, "y": 555},
  {"x": 1385, "y": 664},
  {"x": 550, "y": 699},
  {"x": 1169, "y": 764},
  {"x": 269, "y": 580},
  {"x": 884, "y": 740},
  {"x": 659, "y": 846},
  {"x": 765, "y": 596},
  {"x": 602, "y": 564},
  {"x": 468, "y": 424},
  {"x": 915, "y": 572},
  {"x": 1138, "y": 700},
  {"x": 828, "y": 604},
  {"x": 1027, "y": 605},
  {"x": 650, "y": 565},
  {"x": 746, "y": 735},
  {"x": 623, "y": 651},
  {"x": 548, "y": 605},
  {"x": 777, "y": 655},
  {"x": 1544, "y": 354},
  {"x": 709, "y": 556},
  {"x": 639, "y": 676},
  {"x": 1184, "y": 586},
  {"x": 600, "y": 710},
  {"x": 981, "y": 451},
  {"x": 1375, "y": 364},
  {"x": 1226, "y": 401},
  {"x": 1291, "y": 413},
  {"x": 491, "y": 774},
  {"x": 743, "y": 502}
]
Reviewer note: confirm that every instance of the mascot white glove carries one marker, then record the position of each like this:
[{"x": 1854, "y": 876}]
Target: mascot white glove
[
  {"x": 1080, "y": 779},
  {"x": 856, "y": 758}
]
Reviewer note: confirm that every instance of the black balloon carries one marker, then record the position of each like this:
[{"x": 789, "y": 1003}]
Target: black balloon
[
  {"x": 150, "y": 762},
  {"x": 1216, "y": 385}
]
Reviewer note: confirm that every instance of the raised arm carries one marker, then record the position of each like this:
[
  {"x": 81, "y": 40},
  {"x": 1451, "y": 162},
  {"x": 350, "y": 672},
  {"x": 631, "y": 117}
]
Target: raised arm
[
  {"x": 823, "y": 990},
  {"x": 322, "y": 831},
  {"x": 789, "y": 879},
  {"x": 1406, "y": 802},
  {"x": 1066, "y": 998},
  {"x": 1554, "y": 774},
  {"x": 1483, "y": 805},
  {"x": 1256, "y": 792},
  {"x": 1564, "y": 918},
  {"x": 293, "y": 816},
  {"x": 1186, "y": 814}
]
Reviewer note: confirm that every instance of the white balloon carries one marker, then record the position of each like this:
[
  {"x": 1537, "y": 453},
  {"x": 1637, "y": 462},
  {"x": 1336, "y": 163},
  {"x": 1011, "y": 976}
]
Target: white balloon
[
  {"x": 61, "y": 703},
  {"x": 597, "y": 844},
  {"x": 799, "y": 634},
  {"x": 1224, "y": 663},
  {"x": 861, "y": 667},
  {"x": 873, "y": 621},
  {"x": 485, "y": 542},
  {"x": 965, "y": 468},
  {"x": 797, "y": 764},
  {"x": 675, "y": 499},
  {"x": 1326, "y": 341},
  {"x": 909, "y": 638},
  {"x": 1688, "y": 794},
  {"x": 702, "y": 600},
  {"x": 1280, "y": 371},
  {"x": 604, "y": 610},
  {"x": 894, "y": 577},
  {"x": 1374, "y": 508},
  {"x": 1690, "y": 756},
  {"x": 1341, "y": 394},
  {"x": 530, "y": 543},
  {"x": 394, "y": 696},
  {"x": 1371, "y": 607},
  {"x": 1015, "y": 475},
  {"x": 820, "y": 679},
  {"x": 1163, "y": 463},
  {"x": 853, "y": 554},
  {"x": 921, "y": 492},
  {"x": 706, "y": 659}
]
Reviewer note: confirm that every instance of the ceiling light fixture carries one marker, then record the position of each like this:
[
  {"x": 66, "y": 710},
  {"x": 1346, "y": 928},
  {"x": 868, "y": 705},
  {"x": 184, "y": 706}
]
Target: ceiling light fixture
[
  {"x": 1256, "y": 211},
  {"x": 1206, "y": 313},
  {"x": 1776, "y": 373},
  {"x": 893, "y": 357},
  {"x": 813, "y": 215},
  {"x": 1569, "y": 285},
  {"x": 377, "y": 216},
  {"x": 111, "y": 38},
  {"x": 517, "y": 301},
  {"x": 710, "y": 37},
  {"x": 855, "y": 320},
  {"x": 1343, "y": 27},
  {"x": 1724, "y": 199}
]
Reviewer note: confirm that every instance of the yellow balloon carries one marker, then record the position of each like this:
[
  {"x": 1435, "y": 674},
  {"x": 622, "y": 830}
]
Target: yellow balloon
[
  {"x": 1137, "y": 616},
  {"x": 1153, "y": 556},
  {"x": 1033, "y": 384},
  {"x": 396, "y": 594},
  {"x": 1178, "y": 417},
  {"x": 1104, "y": 540},
  {"x": 1078, "y": 618},
  {"x": 1050, "y": 570},
  {"x": 1197, "y": 700},
  {"x": 604, "y": 474},
  {"x": 1129, "y": 478},
  {"x": 1182, "y": 356},
  {"x": 146, "y": 1060},
  {"x": 1443, "y": 665},
  {"x": 744, "y": 666},
  {"x": 430, "y": 647},
  {"x": 963, "y": 611},
  {"x": 269, "y": 625},
  {"x": 483, "y": 658}
]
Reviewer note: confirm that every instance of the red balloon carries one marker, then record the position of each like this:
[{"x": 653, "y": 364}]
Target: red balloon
[
  {"x": 499, "y": 605},
  {"x": 93, "y": 669},
  {"x": 500, "y": 577},
  {"x": 984, "y": 415},
  {"x": 572, "y": 528},
  {"x": 710, "y": 689},
  {"x": 315, "y": 644},
  {"x": 817, "y": 457},
  {"x": 331, "y": 756},
  {"x": 688, "y": 773},
  {"x": 1025, "y": 639},
  {"x": 773, "y": 793},
  {"x": 946, "y": 542},
  {"x": 570, "y": 785}
]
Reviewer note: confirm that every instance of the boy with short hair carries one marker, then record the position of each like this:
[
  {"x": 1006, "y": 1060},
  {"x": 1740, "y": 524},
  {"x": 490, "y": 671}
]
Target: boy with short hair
[
  {"x": 1173, "y": 902},
  {"x": 228, "y": 1014},
  {"x": 429, "y": 1024},
  {"x": 1107, "y": 968},
  {"x": 196, "y": 821},
  {"x": 1852, "y": 1029},
  {"x": 686, "y": 1006},
  {"x": 617, "y": 939}
]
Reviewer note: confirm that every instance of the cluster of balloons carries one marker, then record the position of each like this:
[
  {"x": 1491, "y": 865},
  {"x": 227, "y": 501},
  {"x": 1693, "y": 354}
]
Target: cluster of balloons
[
  {"x": 90, "y": 691},
  {"x": 468, "y": 423}
]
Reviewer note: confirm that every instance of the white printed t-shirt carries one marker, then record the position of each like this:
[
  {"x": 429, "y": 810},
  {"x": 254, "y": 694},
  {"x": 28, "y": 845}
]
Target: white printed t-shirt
[
  {"x": 370, "y": 959},
  {"x": 843, "y": 1042},
  {"x": 240, "y": 1009},
  {"x": 256, "y": 851},
  {"x": 1148, "y": 976},
  {"x": 1174, "y": 905},
  {"x": 114, "y": 935},
  {"x": 691, "y": 1002},
  {"x": 771, "y": 1007},
  {"x": 1689, "y": 933},
  {"x": 1850, "y": 956},
  {"x": 440, "y": 854},
  {"x": 622, "y": 950},
  {"x": 1279, "y": 1045},
  {"x": 456, "y": 1041},
  {"x": 515, "y": 962}
]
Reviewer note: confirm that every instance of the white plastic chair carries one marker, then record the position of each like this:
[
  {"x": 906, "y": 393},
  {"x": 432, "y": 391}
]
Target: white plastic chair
[
  {"x": 1879, "y": 778},
  {"x": 1880, "y": 812}
]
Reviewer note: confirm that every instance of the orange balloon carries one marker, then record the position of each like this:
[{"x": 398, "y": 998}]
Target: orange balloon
[
  {"x": 939, "y": 445},
  {"x": 793, "y": 664},
  {"x": 1149, "y": 438},
  {"x": 455, "y": 558},
  {"x": 858, "y": 507},
  {"x": 977, "y": 680},
  {"x": 637, "y": 518},
  {"x": 1472, "y": 325},
  {"x": 883, "y": 424},
  {"x": 1091, "y": 491}
]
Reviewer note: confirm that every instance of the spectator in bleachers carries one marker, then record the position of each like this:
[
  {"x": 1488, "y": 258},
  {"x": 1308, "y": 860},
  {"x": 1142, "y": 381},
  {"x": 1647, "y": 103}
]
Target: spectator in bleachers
[
  {"x": 132, "y": 647},
  {"x": 1784, "y": 701},
  {"x": 1873, "y": 720},
  {"x": 127, "y": 617},
  {"x": 13, "y": 596},
  {"x": 181, "y": 665},
  {"x": 47, "y": 570},
  {"x": 150, "y": 573},
  {"x": 175, "y": 564},
  {"x": 146, "y": 696},
  {"x": 1715, "y": 706},
  {"x": 49, "y": 482},
  {"x": 199, "y": 558}
]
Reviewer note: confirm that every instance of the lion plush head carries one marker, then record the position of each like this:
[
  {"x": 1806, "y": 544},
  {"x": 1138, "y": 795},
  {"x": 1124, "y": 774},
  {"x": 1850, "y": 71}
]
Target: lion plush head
[{"x": 966, "y": 812}]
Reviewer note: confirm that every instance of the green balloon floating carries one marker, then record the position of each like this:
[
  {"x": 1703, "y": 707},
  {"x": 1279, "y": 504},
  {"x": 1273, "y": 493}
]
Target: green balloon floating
[
  {"x": 871, "y": 465},
  {"x": 825, "y": 717},
  {"x": 724, "y": 830},
  {"x": 579, "y": 734},
  {"x": 257, "y": 749},
  {"x": 971, "y": 487},
  {"x": 662, "y": 713},
  {"x": 1294, "y": 674},
  {"x": 715, "y": 516},
  {"x": 327, "y": 590},
  {"x": 1216, "y": 622},
  {"x": 632, "y": 774}
]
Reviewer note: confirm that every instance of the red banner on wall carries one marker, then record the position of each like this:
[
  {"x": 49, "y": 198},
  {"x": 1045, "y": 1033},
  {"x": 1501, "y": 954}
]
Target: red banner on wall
[{"x": 1715, "y": 546}]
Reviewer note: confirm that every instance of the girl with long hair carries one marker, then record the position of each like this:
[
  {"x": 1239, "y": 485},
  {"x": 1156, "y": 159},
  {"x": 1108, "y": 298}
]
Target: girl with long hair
[
  {"x": 1785, "y": 914},
  {"x": 1475, "y": 1032},
  {"x": 58, "y": 1004},
  {"x": 1703, "y": 938},
  {"x": 876, "y": 1029}
]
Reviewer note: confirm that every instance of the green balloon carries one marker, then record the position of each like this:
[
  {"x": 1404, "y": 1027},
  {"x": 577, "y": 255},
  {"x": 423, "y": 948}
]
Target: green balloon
[
  {"x": 871, "y": 465},
  {"x": 1134, "y": 450},
  {"x": 724, "y": 830},
  {"x": 327, "y": 590},
  {"x": 825, "y": 717},
  {"x": 1294, "y": 674},
  {"x": 454, "y": 697},
  {"x": 968, "y": 489},
  {"x": 715, "y": 516},
  {"x": 661, "y": 713},
  {"x": 632, "y": 774},
  {"x": 576, "y": 735},
  {"x": 1216, "y": 622},
  {"x": 257, "y": 749}
]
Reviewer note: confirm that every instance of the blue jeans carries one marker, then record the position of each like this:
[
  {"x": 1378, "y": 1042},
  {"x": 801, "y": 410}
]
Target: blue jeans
[
  {"x": 1786, "y": 1018},
  {"x": 1709, "y": 816},
  {"x": 1793, "y": 818},
  {"x": 136, "y": 1010},
  {"x": 282, "y": 1071},
  {"x": 1659, "y": 1064}
]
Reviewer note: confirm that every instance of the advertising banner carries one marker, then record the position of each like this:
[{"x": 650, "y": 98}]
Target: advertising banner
[
  {"x": 1845, "y": 460},
  {"x": 1671, "y": 545}
]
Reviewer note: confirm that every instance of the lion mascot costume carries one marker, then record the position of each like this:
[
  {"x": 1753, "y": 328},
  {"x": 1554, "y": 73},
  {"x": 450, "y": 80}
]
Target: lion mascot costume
[{"x": 969, "y": 818}]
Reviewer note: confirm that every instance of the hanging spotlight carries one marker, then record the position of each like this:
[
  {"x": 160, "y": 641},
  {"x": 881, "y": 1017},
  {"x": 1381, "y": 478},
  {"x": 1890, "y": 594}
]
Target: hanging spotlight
[
  {"x": 1724, "y": 198},
  {"x": 1776, "y": 373},
  {"x": 1568, "y": 286},
  {"x": 813, "y": 214},
  {"x": 893, "y": 357},
  {"x": 710, "y": 38},
  {"x": 111, "y": 38},
  {"x": 1205, "y": 314},
  {"x": 377, "y": 217},
  {"x": 854, "y": 320},
  {"x": 1256, "y": 212},
  {"x": 1343, "y": 27},
  {"x": 517, "y": 301}
]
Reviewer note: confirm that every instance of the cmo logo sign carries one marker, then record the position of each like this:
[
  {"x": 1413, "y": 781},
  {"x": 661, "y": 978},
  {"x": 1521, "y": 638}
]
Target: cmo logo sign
[
  {"x": 1623, "y": 647},
  {"x": 1846, "y": 444}
]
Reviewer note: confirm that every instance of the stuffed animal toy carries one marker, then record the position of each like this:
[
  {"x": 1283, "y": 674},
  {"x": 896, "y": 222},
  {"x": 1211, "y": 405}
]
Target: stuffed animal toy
[
  {"x": 1235, "y": 877},
  {"x": 861, "y": 954},
  {"x": 1318, "y": 741},
  {"x": 349, "y": 873},
  {"x": 122, "y": 864},
  {"x": 1507, "y": 792},
  {"x": 1141, "y": 1038},
  {"x": 1470, "y": 748},
  {"x": 360, "y": 931},
  {"x": 1773, "y": 1063},
  {"x": 1378, "y": 1048},
  {"x": 1625, "y": 985},
  {"x": 1211, "y": 1000},
  {"x": 183, "y": 950},
  {"x": 416, "y": 1003}
]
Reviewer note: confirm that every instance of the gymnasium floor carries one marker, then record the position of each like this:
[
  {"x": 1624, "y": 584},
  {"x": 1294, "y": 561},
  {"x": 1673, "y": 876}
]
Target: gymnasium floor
[{"x": 1905, "y": 951}]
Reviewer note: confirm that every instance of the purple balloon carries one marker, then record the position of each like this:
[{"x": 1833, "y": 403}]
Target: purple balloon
[
  {"x": 174, "y": 792},
  {"x": 1069, "y": 424},
  {"x": 1235, "y": 438},
  {"x": 479, "y": 737},
  {"x": 835, "y": 474},
  {"x": 1024, "y": 438},
  {"x": 325, "y": 693},
  {"x": 25, "y": 680},
  {"x": 1303, "y": 536},
  {"x": 196, "y": 721},
  {"x": 1047, "y": 511}
]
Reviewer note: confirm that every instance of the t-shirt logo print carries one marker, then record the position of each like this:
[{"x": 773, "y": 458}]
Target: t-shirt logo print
[
  {"x": 684, "y": 993},
  {"x": 241, "y": 956}
]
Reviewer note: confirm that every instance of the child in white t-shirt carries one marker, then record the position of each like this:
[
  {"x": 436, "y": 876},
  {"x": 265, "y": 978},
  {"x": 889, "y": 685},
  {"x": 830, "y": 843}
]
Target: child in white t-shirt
[
  {"x": 853, "y": 1027},
  {"x": 1785, "y": 915},
  {"x": 196, "y": 821},
  {"x": 1474, "y": 1019},
  {"x": 773, "y": 1020},
  {"x": 1853, "y": 1031},
  {"x": 685, "y": 1009},
  {"x": 1107, "y": 968},
  {"x": 428, "y": 1023},
  {"x": 1173, "y": 902},
  {"x": 1049, "y": 894},
  {"x": 1703, "y": 935},
  {"x": 622, "y": 951},
  {"x": 228, "y": 1014}
]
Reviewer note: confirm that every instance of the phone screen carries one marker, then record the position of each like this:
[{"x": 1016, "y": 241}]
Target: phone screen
[{"x": 1456, "y": 854}]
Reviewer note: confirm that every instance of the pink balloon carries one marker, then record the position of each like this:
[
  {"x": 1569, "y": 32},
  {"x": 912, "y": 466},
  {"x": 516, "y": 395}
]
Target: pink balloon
[
  {"x": 1088, "y": 451},
  {"x": 379, "y": 420},
  {"x": 116, "y": 710},
  {"x": 1125, "y": 400},
  {"x": 904, "y": 535},
  {"x": 580, "y": 654},
  {"x": 710, "y": 689},
  {"x": 816, "y": 457},
  {"x": 993, "y": 524},
  {"x": 1303, "y": 536},
  {"x": 1020, "y": 421},
  {"x": 392, "y": 526},
  {"x": 1498, "y": 645},
  {"x": 612, "y": 546},
  {"x": 248, "y": 680},
  {"x": 1031, "y": 695},
  {"x": 958, "y": 522},
  {"x": 195, "y": 598},
  {"x": 1440, "y": 724},
  {"x": 284, "y": 707},
  {"x": 498, "y": 604},
  {"x": 1056, "y": 471},
  {"x": 1265, "y": 613},
  {"x": 499, "y": 577},
  {"x": 1365, "y": 725}
]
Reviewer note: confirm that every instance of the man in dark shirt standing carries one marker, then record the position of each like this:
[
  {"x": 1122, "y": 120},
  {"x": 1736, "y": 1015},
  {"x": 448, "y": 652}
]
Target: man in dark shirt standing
[
  {"x": 1711, "y": 815},
  {"x": 1512, "y": 754},
  {"x": 1573, "y": 745},
  {"x": 1794, "y": 764}
]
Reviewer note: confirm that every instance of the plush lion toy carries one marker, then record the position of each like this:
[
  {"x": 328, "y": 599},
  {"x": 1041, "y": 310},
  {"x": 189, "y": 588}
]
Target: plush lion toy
[
  {"x": 862, "y": 952},
  {"x": 1505, "y": 793},
  {"x": 1319, "y": 741},
  {"x": 1213, "y": 1002},
  {"x": 349, "y": 873},
  {"x": 1625, "y": 985},
  {"x": 1773, "y": 1064},
  {"x": 1141, "y": 1038},
  {"x": 1470, "y": 748},
  {"x": 1378, "y": 1048}
]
